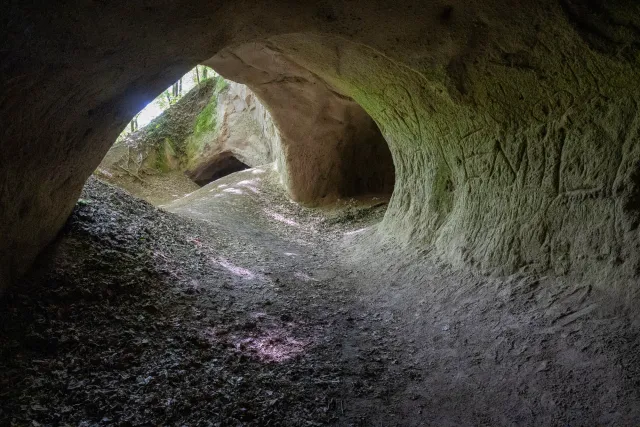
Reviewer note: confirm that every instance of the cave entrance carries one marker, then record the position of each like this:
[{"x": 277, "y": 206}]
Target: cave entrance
[
  {"x": 323, "y": 145},
  {"x": 224, "y": 164}
]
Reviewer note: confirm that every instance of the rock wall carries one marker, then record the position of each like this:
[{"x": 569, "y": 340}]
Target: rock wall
[
  {"x": 525, "y": 160},
  {"x": 512, "y": 124},
  {"x": 243, "y": 130}
]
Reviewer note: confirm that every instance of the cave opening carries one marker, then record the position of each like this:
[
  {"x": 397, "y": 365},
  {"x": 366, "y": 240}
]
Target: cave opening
[
  {"x": 225, "y": 164},
  {"x": 324, "y": 146}
]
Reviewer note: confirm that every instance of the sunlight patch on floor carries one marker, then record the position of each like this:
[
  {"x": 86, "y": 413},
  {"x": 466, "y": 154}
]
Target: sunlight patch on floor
[
  {"x": 267, "y": 343},
  {"x": 351, "y": 233},
  {"x": 305, "y": 277},
  {"x": 233, "y": 190},
  {"x": 251, "y": 184},
  {"x": 281, "y": 218},
  {"x": 238, "y": 271},
  {"x": 274, "y": 346}
]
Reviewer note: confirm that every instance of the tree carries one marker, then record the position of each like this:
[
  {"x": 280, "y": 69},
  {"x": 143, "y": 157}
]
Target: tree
[
  {"x": 134, "y": 123},
  {"x": 171, "y": 95}
]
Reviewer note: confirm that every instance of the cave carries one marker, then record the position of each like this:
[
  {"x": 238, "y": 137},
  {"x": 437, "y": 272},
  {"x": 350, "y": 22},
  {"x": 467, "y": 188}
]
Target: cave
[
  {"x": 224, "y": 165},
  {"x": 497, "y": 285}
]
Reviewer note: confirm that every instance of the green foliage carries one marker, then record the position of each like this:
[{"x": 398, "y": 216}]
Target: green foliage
[
  {"x": 164, "y": 100},
  {"x": 164, "y": 151},
  {"x": 206, "y": 120},
  {"x": 167, "y": 98},
  {"x": 221, "y": 84},
  {"x": 205, "y": 124}
]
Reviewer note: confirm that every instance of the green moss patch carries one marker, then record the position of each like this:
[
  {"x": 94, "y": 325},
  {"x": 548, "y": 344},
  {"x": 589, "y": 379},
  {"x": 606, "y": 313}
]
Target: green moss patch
[{"x": 206, "y": 120}]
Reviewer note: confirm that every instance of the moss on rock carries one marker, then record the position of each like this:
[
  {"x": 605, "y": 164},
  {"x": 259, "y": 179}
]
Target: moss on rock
[
  {"x": 506, "y": 163},
  {"x": 206, "y": 120}
]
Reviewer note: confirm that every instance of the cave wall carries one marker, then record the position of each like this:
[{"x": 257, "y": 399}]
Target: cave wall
[
  {"x": 512, "y": 124},
  {"x": 527, "y": 160}
]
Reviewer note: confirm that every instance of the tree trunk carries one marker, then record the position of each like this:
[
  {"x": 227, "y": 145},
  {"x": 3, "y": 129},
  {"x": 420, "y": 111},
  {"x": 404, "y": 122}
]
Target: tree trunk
[{"x": 197, "y": 74}]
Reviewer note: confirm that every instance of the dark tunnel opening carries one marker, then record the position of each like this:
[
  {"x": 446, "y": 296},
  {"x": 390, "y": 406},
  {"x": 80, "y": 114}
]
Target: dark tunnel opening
[{"x": 224, "y": 164}]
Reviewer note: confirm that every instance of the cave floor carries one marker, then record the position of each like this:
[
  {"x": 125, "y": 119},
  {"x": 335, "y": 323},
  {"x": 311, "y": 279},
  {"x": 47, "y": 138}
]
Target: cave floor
[{"x": 246, "y": 309}]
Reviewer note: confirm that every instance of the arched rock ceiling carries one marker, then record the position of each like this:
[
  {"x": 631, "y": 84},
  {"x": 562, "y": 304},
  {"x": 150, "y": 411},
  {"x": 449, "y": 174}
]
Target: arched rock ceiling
[
  {"x": 329, "y": 146},
  {"x": 513, "y": 124}
]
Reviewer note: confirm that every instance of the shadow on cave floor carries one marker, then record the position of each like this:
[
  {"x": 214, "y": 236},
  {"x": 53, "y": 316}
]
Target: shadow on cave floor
[{"x": 247, "y": 309}]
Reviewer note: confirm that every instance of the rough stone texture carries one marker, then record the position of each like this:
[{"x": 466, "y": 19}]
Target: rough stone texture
[
  {"x": 513, "y": 124},
  {"x": 509, "y": 168}
]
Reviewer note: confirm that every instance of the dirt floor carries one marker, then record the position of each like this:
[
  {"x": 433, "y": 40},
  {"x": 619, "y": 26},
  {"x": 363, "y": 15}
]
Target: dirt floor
[{"x": 242, "y": 308}]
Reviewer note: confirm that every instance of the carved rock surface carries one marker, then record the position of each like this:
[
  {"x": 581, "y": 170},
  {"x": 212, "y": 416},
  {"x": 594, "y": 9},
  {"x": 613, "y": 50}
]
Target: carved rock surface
[{"x": 329, "y": 147}]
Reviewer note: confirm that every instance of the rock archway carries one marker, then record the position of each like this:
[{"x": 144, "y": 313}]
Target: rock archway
[
  {"x": 329, "y": 146},
  {"x": 513, "y": 125}
]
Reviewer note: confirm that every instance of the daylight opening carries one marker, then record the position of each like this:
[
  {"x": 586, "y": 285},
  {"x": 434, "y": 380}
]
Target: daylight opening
[{"x": 322, "y": 146}]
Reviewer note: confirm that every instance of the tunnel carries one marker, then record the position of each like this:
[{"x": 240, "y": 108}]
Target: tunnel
[{"x": 506, "y": 134}]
